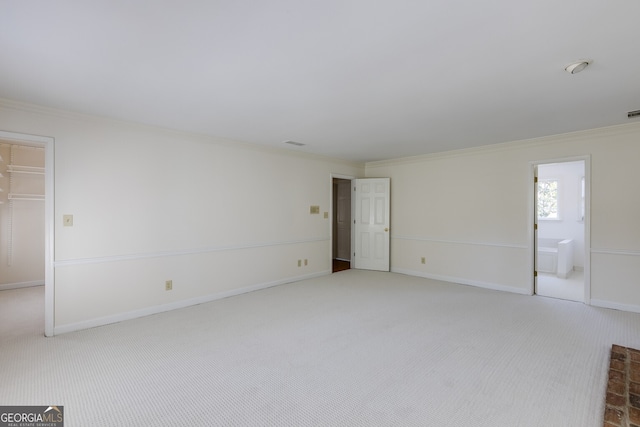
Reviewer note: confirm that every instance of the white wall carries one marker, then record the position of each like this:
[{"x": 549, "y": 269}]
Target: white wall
[
  {"x": 216, "y": 217},
  {"x": 569, "y": 225},
  {"x": 220, "y": 217},
  {"x": 468, "y": 212}
]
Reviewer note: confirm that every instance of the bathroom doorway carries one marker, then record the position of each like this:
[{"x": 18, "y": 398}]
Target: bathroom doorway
[{"x": 560, "y": 239}]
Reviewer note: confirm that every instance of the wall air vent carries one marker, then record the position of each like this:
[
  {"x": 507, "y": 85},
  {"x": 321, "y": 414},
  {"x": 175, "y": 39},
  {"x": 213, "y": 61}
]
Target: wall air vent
[
  {"x": 297, "y": 144},
  {"x": 631, "y": 114}
]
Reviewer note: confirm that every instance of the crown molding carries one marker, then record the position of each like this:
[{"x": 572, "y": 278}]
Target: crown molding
[{"x": 582, "y": 135}]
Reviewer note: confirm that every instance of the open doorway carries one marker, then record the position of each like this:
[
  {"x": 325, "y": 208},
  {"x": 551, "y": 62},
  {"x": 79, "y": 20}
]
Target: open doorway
[
  {"x": 21, "y": 215},
  {"x": 27, "y": 219},
  {"x": 561, "y": 238},
  {"x": 360, "y": 223},
  {"x": 22, "y": 239},
  {"x": 341, "y": 225}
]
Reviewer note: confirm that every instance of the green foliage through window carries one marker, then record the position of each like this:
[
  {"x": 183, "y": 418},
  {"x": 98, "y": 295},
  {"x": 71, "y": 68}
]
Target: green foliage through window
[{"x": 548, "y": 199}]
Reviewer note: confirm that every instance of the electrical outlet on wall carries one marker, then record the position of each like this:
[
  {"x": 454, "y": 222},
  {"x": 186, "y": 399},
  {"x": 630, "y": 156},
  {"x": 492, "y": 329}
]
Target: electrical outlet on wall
[
  {"x": 423, "y": 260},
  {"x": 168, "y": 285}
]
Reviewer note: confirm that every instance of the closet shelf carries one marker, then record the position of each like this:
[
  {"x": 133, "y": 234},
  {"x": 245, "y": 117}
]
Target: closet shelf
[
  {"x": 37, "y": 170},
  {"x": 14, "y": 196}
]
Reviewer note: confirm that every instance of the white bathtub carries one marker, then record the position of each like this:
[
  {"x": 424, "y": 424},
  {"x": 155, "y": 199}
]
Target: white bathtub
[{"x": 555, "y": 256}]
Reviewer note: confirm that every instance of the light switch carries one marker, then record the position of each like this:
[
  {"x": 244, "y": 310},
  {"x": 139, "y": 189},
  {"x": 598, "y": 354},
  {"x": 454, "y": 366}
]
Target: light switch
[
  {"x": 67, "y": 220},
  {"x": 314, "y": 210},
  {"x": 326, "y": 215}
]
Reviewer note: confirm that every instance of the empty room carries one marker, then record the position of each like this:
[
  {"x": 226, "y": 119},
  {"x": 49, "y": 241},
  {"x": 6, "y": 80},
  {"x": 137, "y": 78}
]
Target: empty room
[{"x": 337, "y": 213}]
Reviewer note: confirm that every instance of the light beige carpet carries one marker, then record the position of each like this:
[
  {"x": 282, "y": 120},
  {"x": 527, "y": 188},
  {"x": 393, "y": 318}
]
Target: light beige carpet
[
  {"x": 354, "y": 348},
  {"x": 21, "y": 312}
]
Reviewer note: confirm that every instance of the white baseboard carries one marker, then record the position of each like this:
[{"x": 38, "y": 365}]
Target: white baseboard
[
  {"x": 615, "y": 305},
  {"x": 19, "y": 285},
  {"x": 106, "y": 320},
  {"x": 461, "y": 281}
]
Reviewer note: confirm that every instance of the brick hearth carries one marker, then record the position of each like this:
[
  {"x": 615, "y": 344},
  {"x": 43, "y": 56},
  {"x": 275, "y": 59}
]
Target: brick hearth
[{"x": 623, "y": 390}]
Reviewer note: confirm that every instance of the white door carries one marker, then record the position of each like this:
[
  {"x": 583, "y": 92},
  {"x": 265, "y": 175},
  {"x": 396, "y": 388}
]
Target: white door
[{"x": 371, "y": 223}]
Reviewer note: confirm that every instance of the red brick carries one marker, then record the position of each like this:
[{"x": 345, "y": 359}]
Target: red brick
[
  {"x": 616, "y": 399},
  {"x": 618, "y": 356},
  {"x": 617, "y": 365},
  {"x": 616, "y": 376},
  {"x": 623, "y": 388},
  {"x": 634, "y": 415},
  {"x": 634, "y": 400},
  {"x": 616, "y": 387},
  {"x": 613, "y": 415},
  {"x": 634, "y": 375}
]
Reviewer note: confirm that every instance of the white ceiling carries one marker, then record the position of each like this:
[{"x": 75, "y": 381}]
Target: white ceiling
[{"x": 356, "y": 79}]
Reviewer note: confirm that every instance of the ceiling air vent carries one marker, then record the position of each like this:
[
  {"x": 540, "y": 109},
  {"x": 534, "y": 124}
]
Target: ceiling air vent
[
  {"x": 297, "y": 144},
  {"x": 631, "y": 114}
]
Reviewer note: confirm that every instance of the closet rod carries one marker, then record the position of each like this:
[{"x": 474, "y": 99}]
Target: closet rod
[{"x": 13, "y": 196}]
